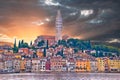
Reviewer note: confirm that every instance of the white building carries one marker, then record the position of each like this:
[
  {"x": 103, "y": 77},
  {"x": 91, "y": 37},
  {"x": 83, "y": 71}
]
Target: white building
[
  {"x": 1, "y": 65},
  {"x": 28, "y": 65},
  {"x": 42, "y": 65},
  {"x": 70, "y": 64},
  {"x": 35, "y": 65},
  {"x": 16, "y": 65},
  {"x": 93, "y": 65},
  {"x": 8, "y": 65}
]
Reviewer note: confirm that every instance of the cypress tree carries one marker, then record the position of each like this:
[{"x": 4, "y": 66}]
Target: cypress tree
[
  {"x": 44, "y": 52},
  {"x": 15, "y": 49},
  {"x": 31, "y": 43},
  {"x": 15, "y": 43},
  {"x": 19, "y": 44},
  {"x": 47, "y": 44}
]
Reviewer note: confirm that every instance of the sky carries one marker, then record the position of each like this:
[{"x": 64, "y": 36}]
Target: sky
[{"x": 96, "y": 20}]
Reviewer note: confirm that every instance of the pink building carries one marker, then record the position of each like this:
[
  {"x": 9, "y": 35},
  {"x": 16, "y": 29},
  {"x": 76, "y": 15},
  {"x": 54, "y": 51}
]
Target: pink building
[
  {"x": 24, "y": 50},
  {"x": 47, "y": 66}
]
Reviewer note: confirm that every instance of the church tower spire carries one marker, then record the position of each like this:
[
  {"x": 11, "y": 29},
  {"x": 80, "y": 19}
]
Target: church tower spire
[{"x": 59, "y": 26}]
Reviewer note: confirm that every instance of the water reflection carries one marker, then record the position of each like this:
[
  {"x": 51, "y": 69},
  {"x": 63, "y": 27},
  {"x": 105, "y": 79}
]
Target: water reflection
[{"x": 61, "y": 76}]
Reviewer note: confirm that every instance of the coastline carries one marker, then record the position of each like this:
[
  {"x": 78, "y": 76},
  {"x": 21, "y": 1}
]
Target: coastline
[{"x": 52, "y": 72}]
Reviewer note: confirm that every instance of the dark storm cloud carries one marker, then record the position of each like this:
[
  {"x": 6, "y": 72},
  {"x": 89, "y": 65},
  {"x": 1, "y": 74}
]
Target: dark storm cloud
[{"x": 97, "y": 20}]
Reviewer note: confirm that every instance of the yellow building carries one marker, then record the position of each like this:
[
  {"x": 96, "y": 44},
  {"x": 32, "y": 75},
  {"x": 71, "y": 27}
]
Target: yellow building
[
  {"x": 18, "y": 56},
  {"x": 82, "y": 66},
  {"x": 119, "y": 65},
  {"x": 100, "y": 64},
  {"x": 22, "y": 65},
  {"x": 39, "y": 53},
  {"x": 1, "y": 51},
  {"x": 114, "y": 65}
]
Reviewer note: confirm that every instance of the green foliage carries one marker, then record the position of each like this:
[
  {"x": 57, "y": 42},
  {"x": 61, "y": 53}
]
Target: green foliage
[
  {"x": 79, "y": 44},
  {"x": 15, "y": 48},
  {"x": 44, "y": 52},
  {"x": 41, "y": 43},
  {"x": 60, "y": 53},
  {"x": 106, "y": 50},
  {"x": 23, "y": 44},
  {"x": 47, "y": 45},
  {"x": 33, "y": 47},
  {"x": 19, "y": 44},
  {"x": 75, "y": 50},
  {"x": 31, "y": 43},
  {"x": 62, "y": 42}
]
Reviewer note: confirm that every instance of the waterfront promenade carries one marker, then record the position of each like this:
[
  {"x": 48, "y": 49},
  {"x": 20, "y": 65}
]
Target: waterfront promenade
[{"x": 60, "y": 76}]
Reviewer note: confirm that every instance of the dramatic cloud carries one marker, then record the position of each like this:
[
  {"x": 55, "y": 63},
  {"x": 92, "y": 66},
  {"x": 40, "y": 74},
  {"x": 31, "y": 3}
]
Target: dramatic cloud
[{"x": 97, "y": 20}]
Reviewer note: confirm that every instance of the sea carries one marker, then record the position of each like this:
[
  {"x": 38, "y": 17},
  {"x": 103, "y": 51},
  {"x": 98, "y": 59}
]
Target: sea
[{"x": 60, "y": 76}]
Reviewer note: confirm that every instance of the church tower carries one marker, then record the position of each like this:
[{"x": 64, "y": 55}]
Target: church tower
[{"x": 59, "y": 26}]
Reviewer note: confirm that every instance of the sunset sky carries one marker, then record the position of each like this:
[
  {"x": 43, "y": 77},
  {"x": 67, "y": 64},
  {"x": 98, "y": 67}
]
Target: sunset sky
[{"x": 97, "y": 20}]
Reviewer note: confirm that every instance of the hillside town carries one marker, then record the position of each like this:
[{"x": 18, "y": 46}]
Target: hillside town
[
  {"x": 44, "y": 55},
  {"x": 58, "y": 54}
]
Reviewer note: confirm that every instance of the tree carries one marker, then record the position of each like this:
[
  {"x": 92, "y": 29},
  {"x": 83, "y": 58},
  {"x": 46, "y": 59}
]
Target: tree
[
  {"x": 15, "y": 48},
  {"x": 47, "y": 45},
  {"x": 15, "y": 43},
  {"x": 72, "y": 42},
  {"x": 75, "y": 50},
  {"x": 22, "y": 41},
  {"x": 35, "y": 55},
  {"x": 31, "y": 43},
  {"x": 33, "y": 47},
  {"x": 60, "y": 53},
  {"x": 41, "y": 43},
  {"x": 19, "y": 44},
  {"x": 25, "y": 45},
  {"x": 44, "y": 52},
  {"x": 59, "y": 42},
  {"x": 89, "y": 44}
]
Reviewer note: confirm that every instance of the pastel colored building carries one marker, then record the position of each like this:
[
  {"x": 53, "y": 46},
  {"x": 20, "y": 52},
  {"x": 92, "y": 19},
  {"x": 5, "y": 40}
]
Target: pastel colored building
[
  {"x": 93, "y": 65},
  {"x": 49, "y": 52},
  {"x": 8, "y": 56},
  {"x": 39, "y": 53},
  {"x": 42, "y": 64},
  {"x": 35, "y": 65},
  {"x": 23, "y": 50},
  {"x": 106, "y": 64},
  {"x": 1, "y": 56},
  {"x": 17, "y": 55},
  {"x": 22, "y": 65},
  {"x": 100, "y": 64},
  {"x": 56, "y": 63},
  {"x": 1, "y": 65},
  {"x": 51, "y": 39},
  {"x": 1, "y": 51},
  {"x": 8, "y": 51},
  {"x": 47, "y": 66},
  {"x": 16, "y": 65},
  {"x": 70, "y": 64},
  {"x": 8, "y": 65},
  {"x": 82, "y": 66},
  {"x": 114, "y": 64},
  {"x": 28, "y": 65},
  {"x": 64, "y": 66},
  {"x": 119, "y": 65}
]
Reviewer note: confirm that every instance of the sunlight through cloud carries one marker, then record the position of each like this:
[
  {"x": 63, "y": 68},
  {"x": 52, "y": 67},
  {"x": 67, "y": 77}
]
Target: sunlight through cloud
[{"x": 86, "y": 13}]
